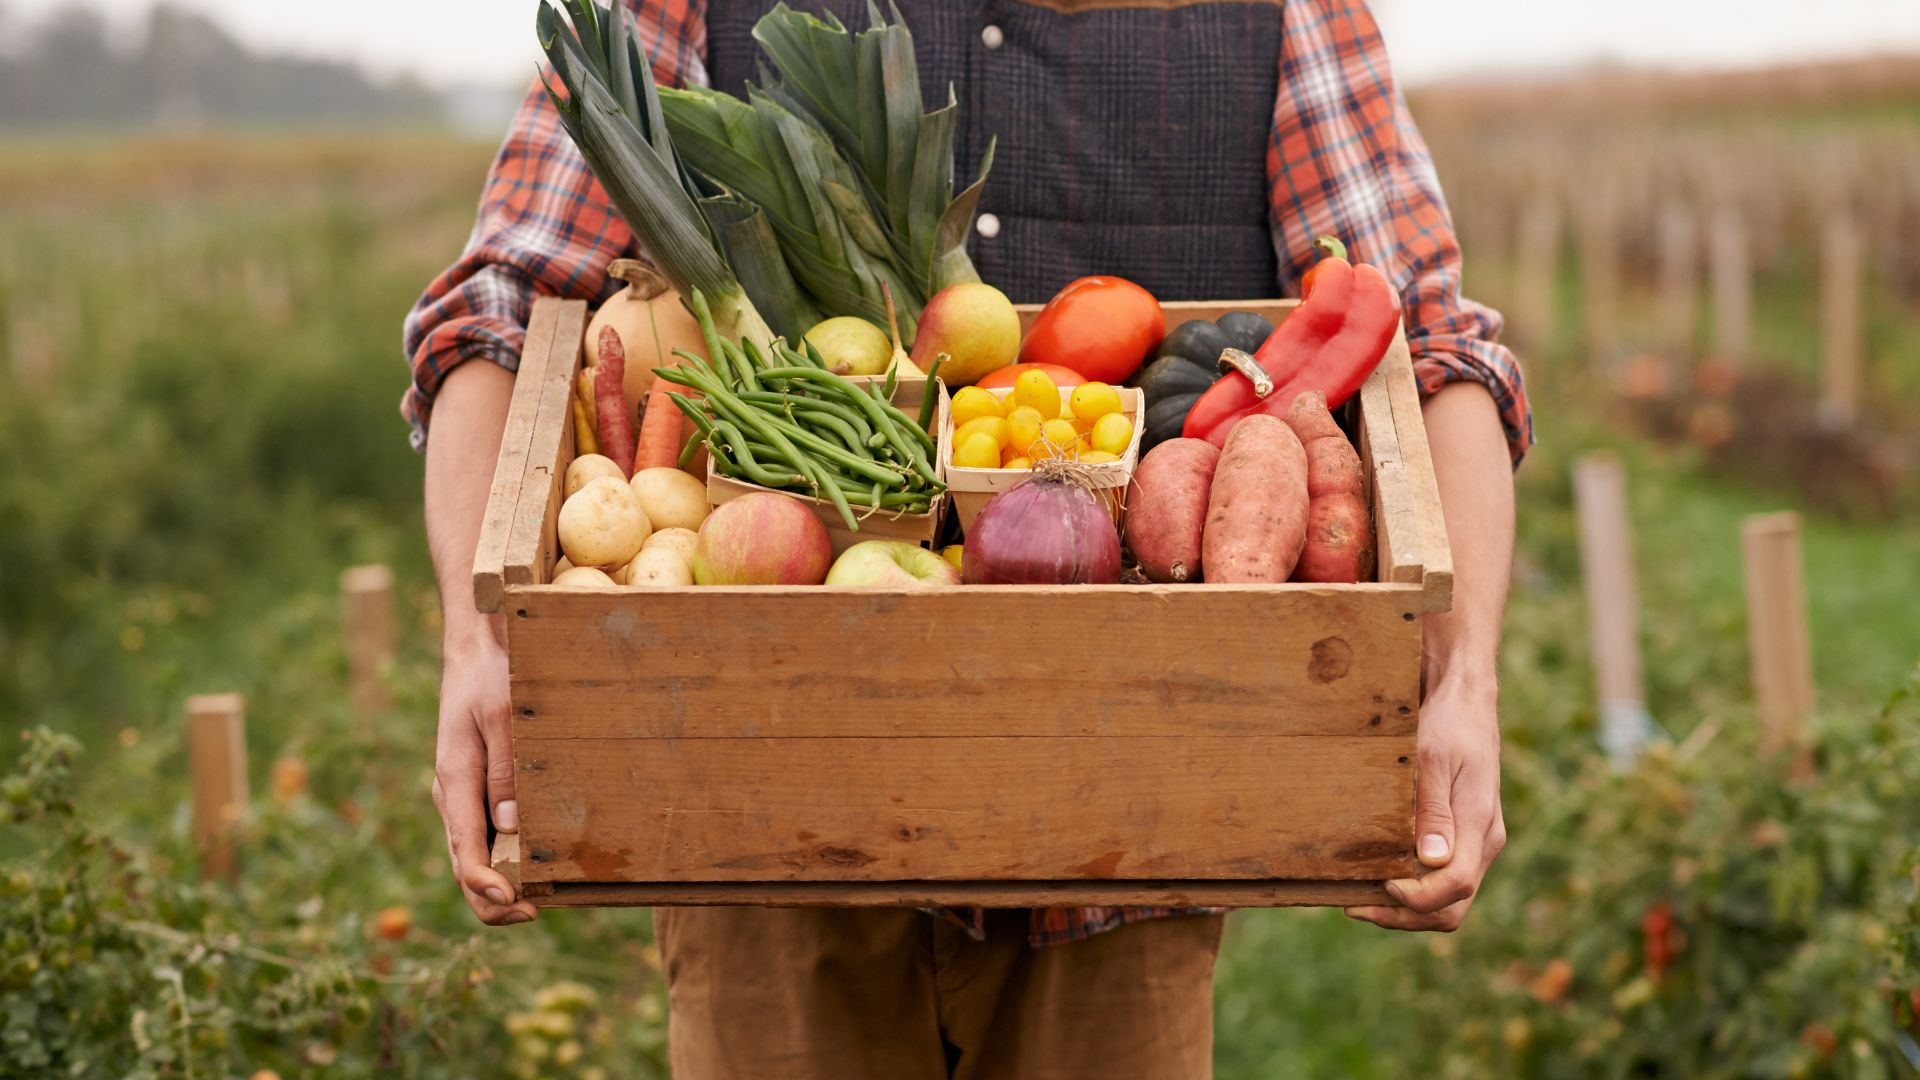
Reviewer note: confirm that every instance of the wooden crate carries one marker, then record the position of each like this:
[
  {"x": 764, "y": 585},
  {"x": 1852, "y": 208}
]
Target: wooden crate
[{"x": 1249, "y": 745}]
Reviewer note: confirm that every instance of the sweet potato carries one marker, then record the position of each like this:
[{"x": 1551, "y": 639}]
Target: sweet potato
[
  {"x": 1257, "y": 508},
  {"x": 1167, "y": 508},
  {"x": 1339, "y": 532}
]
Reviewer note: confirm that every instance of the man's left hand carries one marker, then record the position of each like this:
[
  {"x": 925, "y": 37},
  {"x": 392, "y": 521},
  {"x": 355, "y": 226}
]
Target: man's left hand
[{"x": 1458, "y": 822}]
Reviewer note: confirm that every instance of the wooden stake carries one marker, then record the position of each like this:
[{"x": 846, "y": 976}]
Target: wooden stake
[
  {"x": 1536, "y": 257},
  {"x": 366, "y": 601},
  {"x": 1731, "y": 271},
  {"x": 1606, "y": 559},
  {"x": 1840, "y": 316},
  {"x": 217, "y": 757},
  {"x": 1777, "y": 626},
  {"x": 1679, "y": 271}
]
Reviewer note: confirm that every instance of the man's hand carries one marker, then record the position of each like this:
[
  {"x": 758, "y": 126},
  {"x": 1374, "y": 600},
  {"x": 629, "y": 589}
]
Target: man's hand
[
  {"x": 1458, "y": 823},
  {"x": 473, "y": 770}
]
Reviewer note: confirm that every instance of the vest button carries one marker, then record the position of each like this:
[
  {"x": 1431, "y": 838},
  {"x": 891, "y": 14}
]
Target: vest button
[
  {"x": 988, "y": 226},
  {"x": 993, "y": 37}
]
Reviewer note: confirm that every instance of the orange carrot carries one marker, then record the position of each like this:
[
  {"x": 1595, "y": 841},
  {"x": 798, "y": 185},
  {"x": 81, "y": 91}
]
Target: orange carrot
[
  {"x": 661, "y": 430},
  {"x": 610, "y": 400}
]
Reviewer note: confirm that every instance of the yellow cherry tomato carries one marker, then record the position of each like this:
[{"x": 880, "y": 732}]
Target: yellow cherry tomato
[
  {"x": 953, "y": 553},
  {"x": 1097, "y": 457},
  {"x": 972, "y": 403},
  {"x": 1017, "y": 463},
  {"x": 1084, "y": 427},
  {"x": 1036, "y": 390},
  {"x": 1023, "y": 426},
  {"x": 978, "y": 452},
  {"x": 1091, "y": 401},
  {"x": 992, "y": 426},
  {"x": 1112, "y": 433},
  {"x": 1057, "y": 439}
]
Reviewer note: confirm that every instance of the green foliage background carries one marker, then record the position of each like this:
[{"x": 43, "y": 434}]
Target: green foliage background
[{"x": 198, "y": 431}]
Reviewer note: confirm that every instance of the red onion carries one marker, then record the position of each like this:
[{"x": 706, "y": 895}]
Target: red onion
[{"x": 1045, "y": 530}]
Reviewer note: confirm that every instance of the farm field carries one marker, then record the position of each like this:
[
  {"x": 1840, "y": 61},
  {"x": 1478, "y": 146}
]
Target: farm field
[{"x": 199, "y": 377}]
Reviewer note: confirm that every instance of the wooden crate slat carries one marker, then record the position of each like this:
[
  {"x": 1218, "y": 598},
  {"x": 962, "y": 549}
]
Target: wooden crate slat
[
  {"x": 549, "y": 451},
  {"x": 965, "y": 894},
  {"x": 1422, "y": 492},
  {"x": 1127, "y": 660},
  {"x": 970, "y": 808},
  {"x": 1396, "y": 553},
  {"x": 509, "y": 472}
]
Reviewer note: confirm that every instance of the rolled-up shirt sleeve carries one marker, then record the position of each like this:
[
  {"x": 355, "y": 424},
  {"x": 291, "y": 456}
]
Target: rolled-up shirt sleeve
[
  {"x": 545, "y": 228},
  {"x": 1346, "y": 160}
]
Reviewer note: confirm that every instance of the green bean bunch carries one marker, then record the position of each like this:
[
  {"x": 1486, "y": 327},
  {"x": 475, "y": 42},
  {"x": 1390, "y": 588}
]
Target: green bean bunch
[{"x": 775, "y": 416}]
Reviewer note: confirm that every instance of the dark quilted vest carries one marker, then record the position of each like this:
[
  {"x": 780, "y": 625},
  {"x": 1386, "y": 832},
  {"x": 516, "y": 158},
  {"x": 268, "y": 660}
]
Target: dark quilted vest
[{"x": 1132, "y": 139}]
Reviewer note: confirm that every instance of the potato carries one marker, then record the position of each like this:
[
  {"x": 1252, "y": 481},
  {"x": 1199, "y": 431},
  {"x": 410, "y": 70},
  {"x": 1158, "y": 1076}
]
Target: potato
[
  {"x": 589, "y": 467},
  {"x": 671, "y": 498},
  {"x": 659, "y": 567},
  {"x": 680, "y": 540},
  {"x": 1339, "y": 529},
  {"x": 585, "y": 577},
  {"x": 1167, "y": 508},
  {"x": 560, "y": 566},
  {"x": 1257, "y": 510},
  {"x": 603, "y": 524}
]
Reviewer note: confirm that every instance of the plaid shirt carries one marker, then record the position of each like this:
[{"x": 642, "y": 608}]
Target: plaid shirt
[{"x": 1343, "y": 159}]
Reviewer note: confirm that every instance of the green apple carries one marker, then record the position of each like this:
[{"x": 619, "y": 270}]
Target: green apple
[{"x": 892, "y": 564}]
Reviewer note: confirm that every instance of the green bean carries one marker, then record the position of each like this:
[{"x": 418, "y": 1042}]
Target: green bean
[
  {"x": 791, "y": 355},
  {"x": 875, "y": 410},
  {"x": 872, "y": 470},
  {"x": 749, "y": 375},
  {"x": 813, "y": 354},
  {"x": 766, "y": 477},
  {"x": 760, "y": 361},
  {"x": 767, "y": 426},
  {"x": 893, "y": 379},
  {"x": 813, "y": 405},
  {"x": 693, "y": 413},
  {"x": 839, "y": 498},
  {"x": 704, "y": 316},
  {"x": 865, "y": 466},
  {"x": 688, "y": 452}
]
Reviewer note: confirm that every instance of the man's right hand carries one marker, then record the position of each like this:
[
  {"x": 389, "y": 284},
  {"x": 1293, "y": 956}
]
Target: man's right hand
[{"x": 473, "y": 770}]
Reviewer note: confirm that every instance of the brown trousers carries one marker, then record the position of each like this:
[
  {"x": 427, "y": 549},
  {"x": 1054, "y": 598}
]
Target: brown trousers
[{"x": 889, "y": 994}]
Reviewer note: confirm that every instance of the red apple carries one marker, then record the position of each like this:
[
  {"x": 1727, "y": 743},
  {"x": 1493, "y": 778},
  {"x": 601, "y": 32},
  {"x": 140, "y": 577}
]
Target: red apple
[
  {"x": 762, "y": 539},
  {"x": 892, "y": 564}
]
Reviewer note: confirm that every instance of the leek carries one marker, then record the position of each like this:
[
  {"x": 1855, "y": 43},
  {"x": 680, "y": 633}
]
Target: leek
[
  {"x": 613, "y": 113},
  {"x": 821, "y": 193}
]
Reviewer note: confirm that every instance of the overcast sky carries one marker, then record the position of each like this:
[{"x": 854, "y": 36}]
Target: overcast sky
[{"x": 491, "y": 41}]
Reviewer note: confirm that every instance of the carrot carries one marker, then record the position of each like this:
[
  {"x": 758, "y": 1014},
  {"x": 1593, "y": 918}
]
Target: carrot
[
  {"x": 660, "y": 430},
  {"x": 610, "y": 400},
  {"x": 584, "y": 442}
]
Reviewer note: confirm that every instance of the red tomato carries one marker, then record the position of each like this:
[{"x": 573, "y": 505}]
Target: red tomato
[
  {"x": 1002, "y": 378},
  {"x": 1102, "y": 327}
]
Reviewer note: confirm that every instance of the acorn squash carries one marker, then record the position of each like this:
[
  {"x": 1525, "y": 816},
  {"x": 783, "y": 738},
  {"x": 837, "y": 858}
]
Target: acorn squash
[{"x": 1187, "y": 365}]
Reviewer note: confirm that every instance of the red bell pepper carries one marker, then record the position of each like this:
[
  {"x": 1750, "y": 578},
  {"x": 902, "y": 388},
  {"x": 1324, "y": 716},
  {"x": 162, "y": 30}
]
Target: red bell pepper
[{"x": 1336, "y": 337}]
